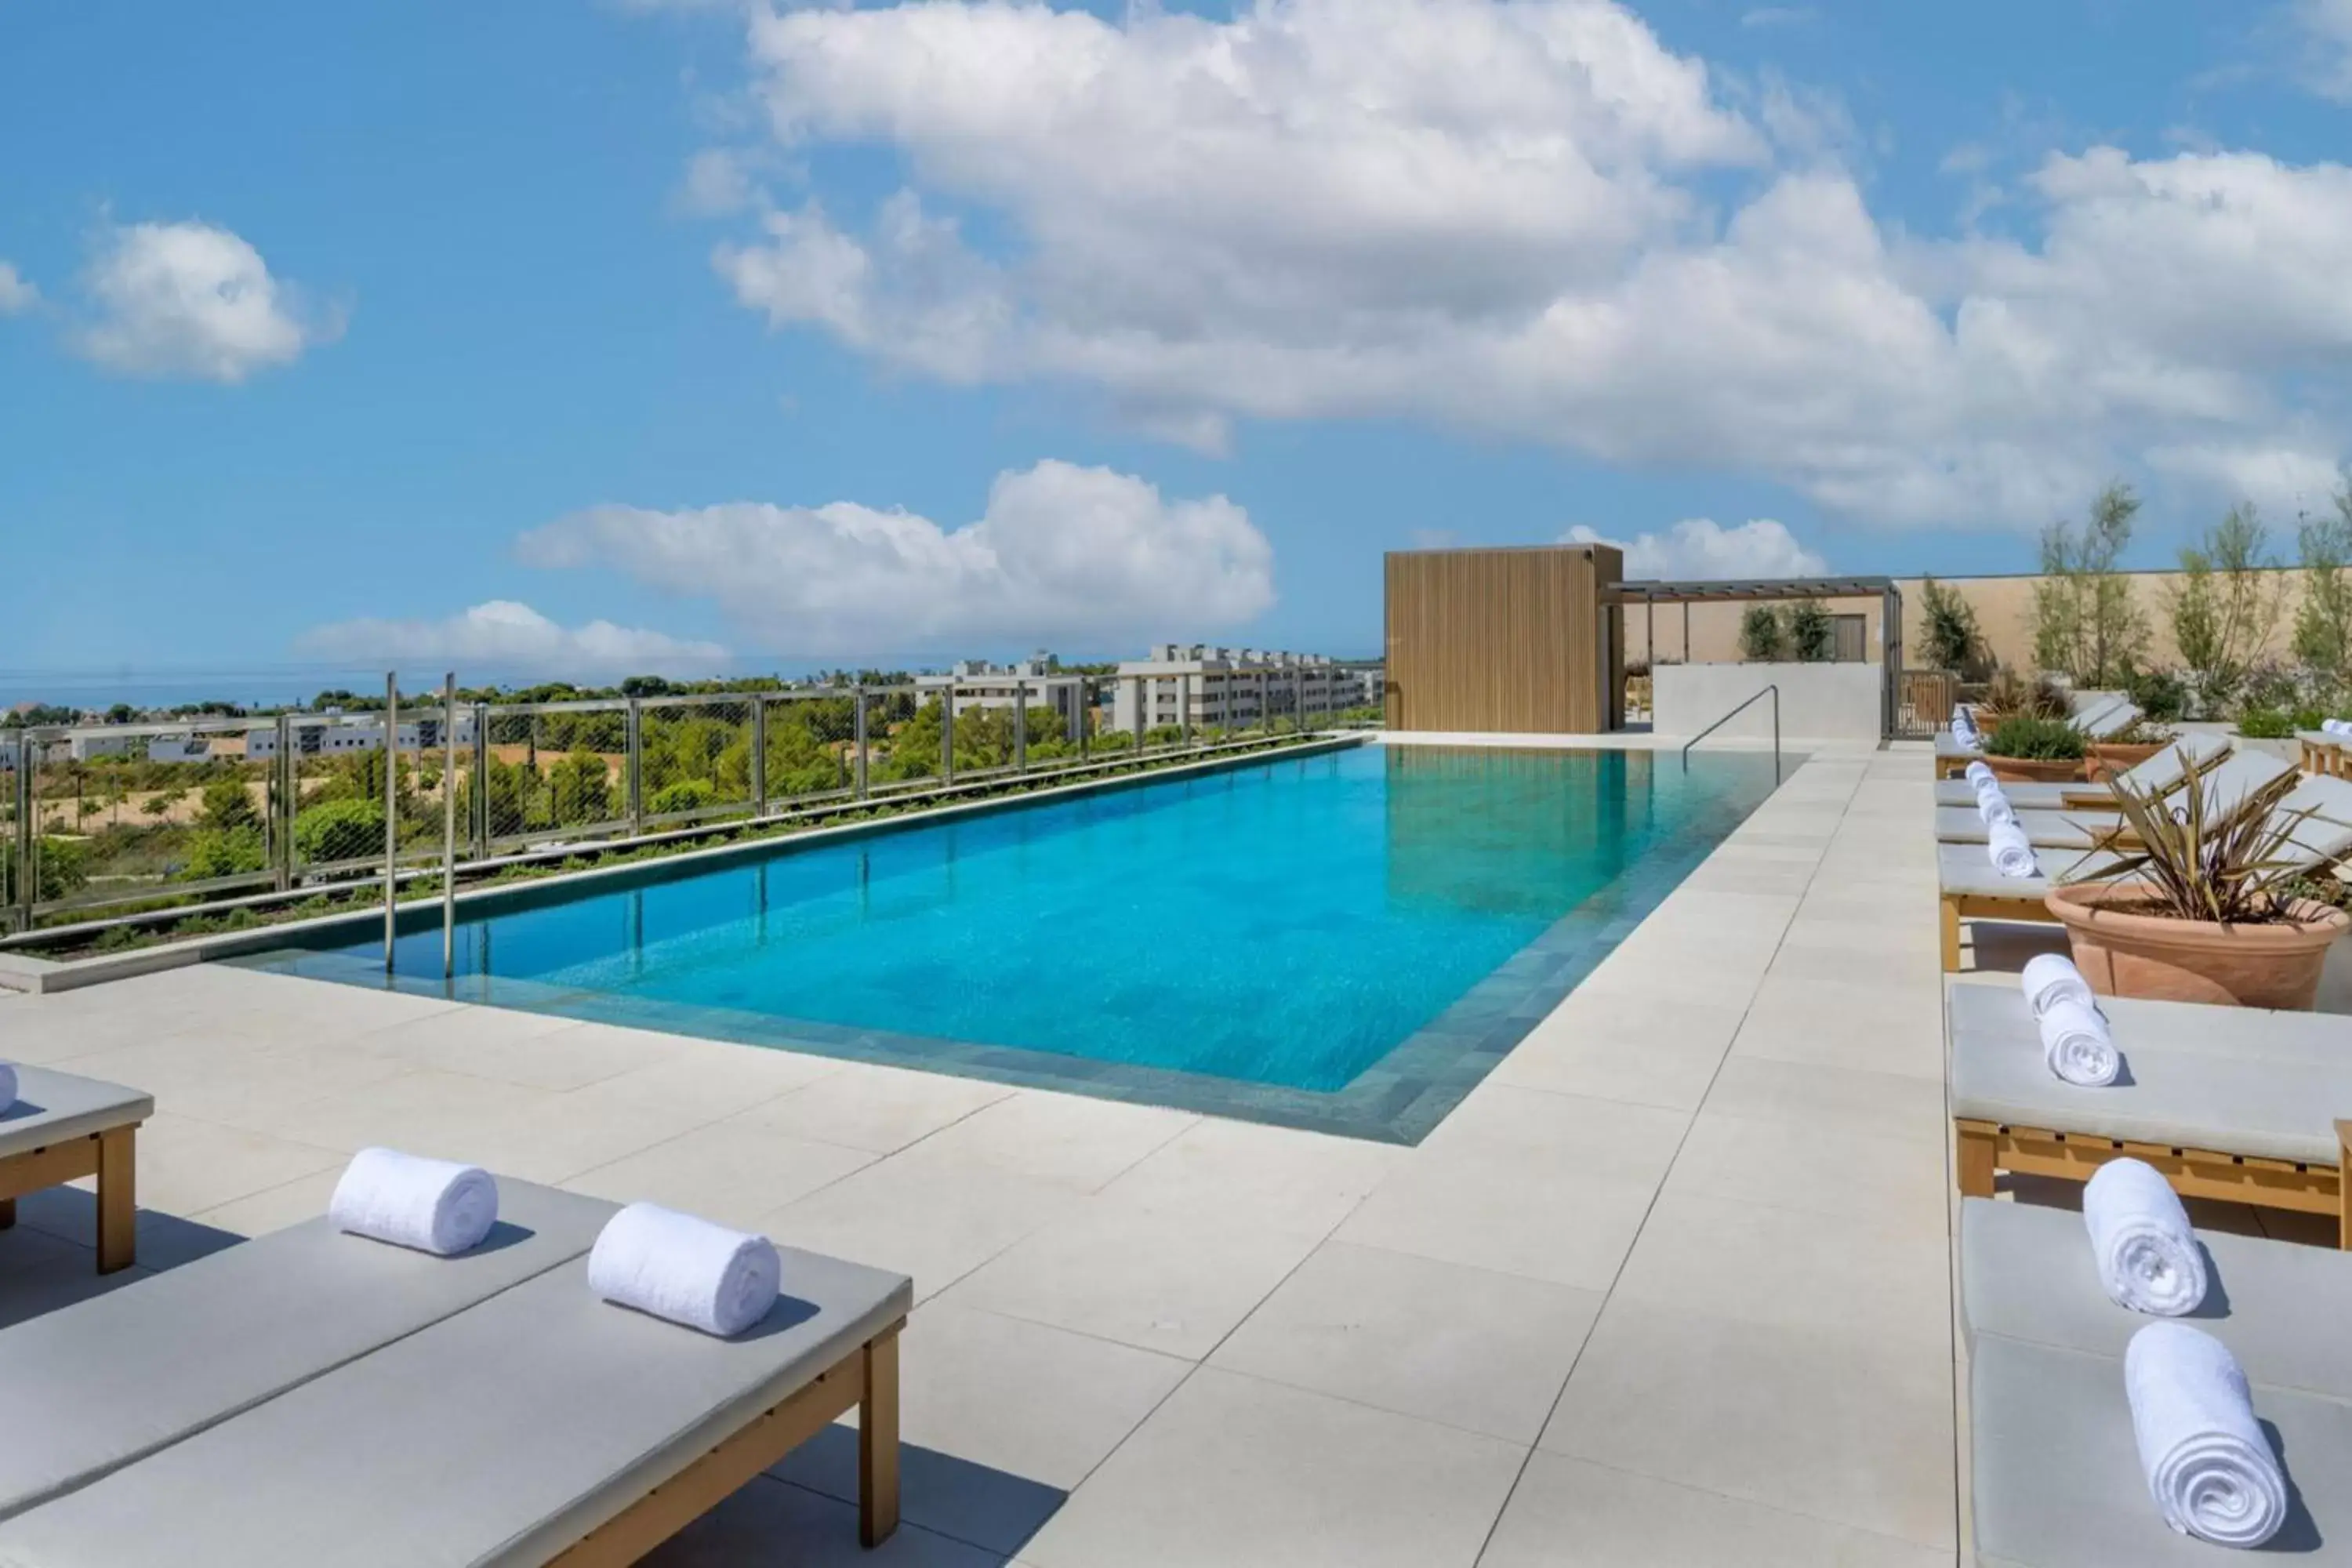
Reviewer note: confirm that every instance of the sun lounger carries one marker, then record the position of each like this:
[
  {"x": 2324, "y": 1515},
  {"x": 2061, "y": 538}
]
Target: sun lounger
[
  {"x": 2160, "y": 773},
  {"x": 1971, "y": 890},
  {"x": 63, "y": 1128},
  {"x": 543, "y": 1425},
  {"x": 2092, "y": 699},
  {"x": 2229, "y": 785},
  {"x": 2026, "y": 1273},
  {"x": 2057, "y": 1481},
  {"x": 104, "y": 1383},
  {"x": 2237, "y": 1104},
  {"x": 2321, "y": 753}
]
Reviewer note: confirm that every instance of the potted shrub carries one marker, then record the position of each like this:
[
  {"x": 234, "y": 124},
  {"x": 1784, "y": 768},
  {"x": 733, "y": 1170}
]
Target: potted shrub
[
  {"x": 2009, "y": 695},
  {"x": 2024, "y": 748},
  {"x": 2142, "y": 740},
  {"x": 2193, "y": 908}
]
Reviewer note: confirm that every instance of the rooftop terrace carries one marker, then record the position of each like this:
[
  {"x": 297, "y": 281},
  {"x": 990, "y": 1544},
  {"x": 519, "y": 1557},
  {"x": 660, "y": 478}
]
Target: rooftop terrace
[{"x": 1627, "y": 1304}]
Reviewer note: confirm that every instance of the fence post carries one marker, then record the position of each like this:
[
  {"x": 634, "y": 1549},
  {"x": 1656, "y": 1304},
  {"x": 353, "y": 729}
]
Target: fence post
[
  {"x": 759, "y": 756},
  {"x": 1184, "y": 710},
  {"x": 391, "y": 754},
  {"x": 861, "y": 743},
  {"x": 946, "y": 733},
  {"x": 286, "y": 781},
  {"x": 633, "y": 766},
  {"x": 29, "y": 887},
  {"x": 448, "y": 824},
  {"x": 481, "y": 811},
  {"x": 1142, "y": 694},
  {"x": 1020, "y": 726}
]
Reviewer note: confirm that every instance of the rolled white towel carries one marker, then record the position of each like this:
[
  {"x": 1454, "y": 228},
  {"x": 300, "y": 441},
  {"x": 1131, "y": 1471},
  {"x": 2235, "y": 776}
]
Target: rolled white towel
[
  {"x": 2209, "y": 1466},
  {"x": 2336, "y": 726},
  {"x": 2077, "y": 1045},
  {"x": 1994, "y": 806},
  {"x": 433, "y": 1206},
  {"x": 8, "y": 1085},
  {"x": 1978, "y": 775},
  {"x": 2011, "y": 852},
  {"x": 686, "y": 1269},
  {"x": 2148, "y": 1257},
  {"x": 2051, "y": 975}
]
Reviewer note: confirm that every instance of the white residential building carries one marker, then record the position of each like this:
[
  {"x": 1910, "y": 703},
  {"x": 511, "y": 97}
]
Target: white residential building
[
  {"x": 1227, "y": 688},
  {"x": 315, "y": 737},
  {"x": 979, "y": 684}
]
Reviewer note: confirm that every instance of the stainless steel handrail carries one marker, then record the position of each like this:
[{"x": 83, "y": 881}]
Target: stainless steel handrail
[{"x": 1773, "y": 691}]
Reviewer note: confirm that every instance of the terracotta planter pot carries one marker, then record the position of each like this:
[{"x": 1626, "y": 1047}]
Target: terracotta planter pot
[
  {"x": 2107, "y": 760},
  {"x": 2126, "y": 954},
  {"x": 2033, "y": 770}
]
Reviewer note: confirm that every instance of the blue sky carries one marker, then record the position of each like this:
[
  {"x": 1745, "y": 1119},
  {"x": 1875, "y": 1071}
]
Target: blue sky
[{"x": 690, "y": 335}]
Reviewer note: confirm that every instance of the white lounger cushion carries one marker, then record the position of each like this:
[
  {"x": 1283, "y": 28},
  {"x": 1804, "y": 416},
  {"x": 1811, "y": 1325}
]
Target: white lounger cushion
[
  {"x": 118, "y": 1376},
  {"x": 2027, "y": 1273},
  {"x": 2044, "y": 829},
  {"x": 1963, "y": 870},
  {"x": 2160, "y": 773},
  {"x": 53, "y": 1107},
  {"x": 2234, "y": 1080},
  {"x": 497, "y": 1435},
  {"x": 2057, "y": 1480}
]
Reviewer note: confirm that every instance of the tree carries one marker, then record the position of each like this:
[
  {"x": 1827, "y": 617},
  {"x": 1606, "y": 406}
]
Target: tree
[
  {"x": 580, "y": 789},
  {"x": 1812, "y": 637},
  {"x": 1950, "y": 637},
  {"x": 346, "y": 830},
  {"x": 1763, "y": 635},
  {"x": 158, "y": 804},
  {"x": 2323, "y": 622},
  {"x": 229, "y": 806},
  {"x": 2226, "y": 605},
  {"x": 212, "y": 853},
  {"x": 2086, "y": 621}
]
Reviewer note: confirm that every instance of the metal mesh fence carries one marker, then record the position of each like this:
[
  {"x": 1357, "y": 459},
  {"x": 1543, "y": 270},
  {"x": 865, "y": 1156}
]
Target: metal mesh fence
[{"x": 106, "y": 821}]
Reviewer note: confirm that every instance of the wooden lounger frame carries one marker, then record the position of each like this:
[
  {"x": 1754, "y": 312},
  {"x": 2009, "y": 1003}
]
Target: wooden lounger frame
[
  {"x": 1957, "y": 907},
  {"x": 111, "y": 1156},
  {"x": 867, "y": 1378},
  {"x": 2324, "y": 758},
  {"x": 1986, "y": 1147}
]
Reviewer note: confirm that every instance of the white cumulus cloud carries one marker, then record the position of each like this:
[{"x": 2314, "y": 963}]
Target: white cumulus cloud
[
  {"x": 1700, "y": 548},
  {"x": 16, "y": 290},
  {"x": 503, "y": 636},
  {"x": 1062, "y": 553},
  {"x": 190, "y": 300},
  {"x": 1531, "y": 219},
  {"x": 2325, "y": 29}
]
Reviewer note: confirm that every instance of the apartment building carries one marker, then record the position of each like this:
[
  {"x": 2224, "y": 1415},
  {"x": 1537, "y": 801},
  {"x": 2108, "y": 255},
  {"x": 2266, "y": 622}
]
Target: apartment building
[
  {"x": 342, "y": 737},
  {"x": 1228, "y": 688},
  {"x": 979, "y": 684}
]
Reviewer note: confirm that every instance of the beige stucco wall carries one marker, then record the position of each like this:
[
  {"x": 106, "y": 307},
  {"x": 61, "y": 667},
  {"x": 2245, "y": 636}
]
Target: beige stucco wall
[{"x": 2004, "y": 607}]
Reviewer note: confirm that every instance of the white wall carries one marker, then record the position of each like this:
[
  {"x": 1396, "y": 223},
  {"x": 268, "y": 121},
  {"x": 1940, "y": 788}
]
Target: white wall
[{"x": 1818, "y": 701}]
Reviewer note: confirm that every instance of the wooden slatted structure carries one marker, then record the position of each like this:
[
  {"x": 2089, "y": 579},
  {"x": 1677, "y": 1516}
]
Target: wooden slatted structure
[{"x": 1523, "y": 641}]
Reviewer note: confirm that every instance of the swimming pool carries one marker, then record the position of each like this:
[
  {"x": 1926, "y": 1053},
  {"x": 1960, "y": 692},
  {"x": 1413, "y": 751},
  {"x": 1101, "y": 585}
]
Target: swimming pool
[{"x": 1347, "y": 941}]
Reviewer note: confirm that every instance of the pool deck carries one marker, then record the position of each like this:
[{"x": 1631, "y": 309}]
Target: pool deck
[{"x": 1672, "y": 1287}]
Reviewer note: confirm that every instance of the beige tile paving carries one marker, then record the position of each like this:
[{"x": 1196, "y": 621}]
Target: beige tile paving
[
  {"x": 1815, "y": 1420},
  {"x": 879, "y": 1109},
  {"x": 1173, "y": 1281},
  {"x": 1467, "y": 1347},
  {"x": 1234, "y": 1470},
  {"x": 1234, "y": 1343},
  {"x": 729, "y": 1173},
  {"x": 1566, "y": 1513}
]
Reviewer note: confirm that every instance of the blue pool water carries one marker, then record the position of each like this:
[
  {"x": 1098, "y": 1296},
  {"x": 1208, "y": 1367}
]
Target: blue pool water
[{"x": 1288, "y": 924}]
